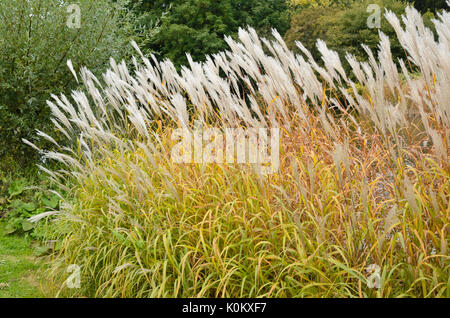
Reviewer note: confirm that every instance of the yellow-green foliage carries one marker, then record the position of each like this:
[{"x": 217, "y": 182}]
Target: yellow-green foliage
[{"x": 310, "y": 3}]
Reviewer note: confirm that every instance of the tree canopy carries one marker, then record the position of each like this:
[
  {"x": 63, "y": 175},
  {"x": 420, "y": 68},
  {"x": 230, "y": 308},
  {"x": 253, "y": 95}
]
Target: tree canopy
[
  {"x": 429, "y": 5},
  {"x": 198, "y": 27}
]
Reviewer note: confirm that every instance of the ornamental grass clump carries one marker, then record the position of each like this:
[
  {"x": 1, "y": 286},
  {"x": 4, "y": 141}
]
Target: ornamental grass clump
[{"x": 357, "y": 208}]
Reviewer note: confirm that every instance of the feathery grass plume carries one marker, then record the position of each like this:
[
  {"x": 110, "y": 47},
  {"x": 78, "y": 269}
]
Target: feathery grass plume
[{"x": 142, "y": 225}]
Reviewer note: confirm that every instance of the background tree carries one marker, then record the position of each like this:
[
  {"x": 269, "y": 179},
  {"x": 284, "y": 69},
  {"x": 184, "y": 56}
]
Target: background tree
[
  {"x": 429, "y": 5},
  {"x": 297, "y": 4},
  {"x": 198, "y": 27},
  {"x": 421, "y": 5},
  {"x": 35, "y": 43},
  {"x": 344, "y": 28}
]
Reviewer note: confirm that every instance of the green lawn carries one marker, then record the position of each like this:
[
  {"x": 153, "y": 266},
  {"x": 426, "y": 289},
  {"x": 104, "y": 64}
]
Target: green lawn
[{"x": 19, "y": 269}]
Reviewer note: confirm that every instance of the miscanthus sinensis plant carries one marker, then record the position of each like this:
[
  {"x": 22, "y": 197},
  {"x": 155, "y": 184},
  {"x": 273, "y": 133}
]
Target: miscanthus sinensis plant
[{"x": 362, "y": 188}]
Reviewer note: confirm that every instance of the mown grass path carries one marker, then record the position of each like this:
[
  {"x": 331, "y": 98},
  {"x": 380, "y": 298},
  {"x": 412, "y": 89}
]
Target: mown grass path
[{"x": 19, "y": 268}]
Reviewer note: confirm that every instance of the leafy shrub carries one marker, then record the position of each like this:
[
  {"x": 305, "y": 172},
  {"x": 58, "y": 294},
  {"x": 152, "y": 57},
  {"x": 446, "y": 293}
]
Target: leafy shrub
[
  {"x": 429, "y": 5},
  {"x": 198, "y": 27},
  {"x": 22, "y": 198},
  {"x": 309, "y": 25},
  {"x": 35, "y": 43},
  {"x": 353, "y": 192},
  {"x": 303, "y": 4},
  {"x": 345, "y": 29}
]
